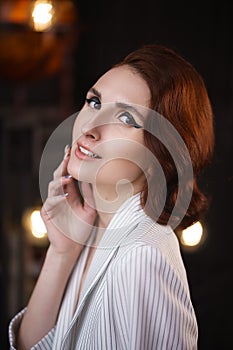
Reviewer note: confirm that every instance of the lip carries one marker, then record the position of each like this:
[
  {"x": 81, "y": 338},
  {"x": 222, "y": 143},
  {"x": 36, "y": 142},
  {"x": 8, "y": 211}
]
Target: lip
[{"x": 83, "y": 156}]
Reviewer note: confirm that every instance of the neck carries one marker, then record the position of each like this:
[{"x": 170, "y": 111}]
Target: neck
[{"x": 108, "y": 200}]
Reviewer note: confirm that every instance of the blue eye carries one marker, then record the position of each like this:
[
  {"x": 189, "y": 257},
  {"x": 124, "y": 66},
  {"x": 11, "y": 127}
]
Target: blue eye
[
  {"x": 94, "y": 102},
  {"x": 128, "y": 119}
]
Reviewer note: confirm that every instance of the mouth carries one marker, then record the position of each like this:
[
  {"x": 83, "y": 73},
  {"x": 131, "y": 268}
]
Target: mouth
[{"x": 85, "y": 152}]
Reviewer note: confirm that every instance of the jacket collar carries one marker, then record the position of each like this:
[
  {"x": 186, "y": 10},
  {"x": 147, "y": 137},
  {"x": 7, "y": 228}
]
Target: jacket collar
[{"x": 122, "y": 224}]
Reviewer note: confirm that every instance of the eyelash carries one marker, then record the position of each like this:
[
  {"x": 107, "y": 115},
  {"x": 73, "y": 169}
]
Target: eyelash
[
  {"x": 132, "y": 120},
  {"x": 97, "y": 105},
  {"x": 95, "y": 100}
]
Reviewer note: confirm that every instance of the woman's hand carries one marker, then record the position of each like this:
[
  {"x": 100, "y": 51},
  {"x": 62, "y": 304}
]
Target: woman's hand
[
  {"x": 69, "y": 223},
  {"x": 67, "y": 219}
]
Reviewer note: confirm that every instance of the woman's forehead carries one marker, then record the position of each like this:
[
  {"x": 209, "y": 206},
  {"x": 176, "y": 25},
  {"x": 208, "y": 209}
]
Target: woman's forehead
[{"x": 122, "y": 84}]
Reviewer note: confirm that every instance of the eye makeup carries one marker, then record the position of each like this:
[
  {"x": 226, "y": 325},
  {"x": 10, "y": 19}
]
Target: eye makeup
[
  {"x": 125, "y": 117},
  {"x": 94, "y": 102},
  {"x": 129, "y": 120}
]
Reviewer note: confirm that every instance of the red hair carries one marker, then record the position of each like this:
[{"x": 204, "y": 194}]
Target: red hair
[{"x": 178, "y": 93}]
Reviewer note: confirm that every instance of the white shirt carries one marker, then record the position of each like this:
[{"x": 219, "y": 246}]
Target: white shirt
[{"x": 135, "y": 295}]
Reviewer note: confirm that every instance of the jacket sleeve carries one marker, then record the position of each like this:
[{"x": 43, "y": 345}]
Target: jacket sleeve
[
  {"x": 44, "y": 344},
  {"x": 151, "y": 306}
]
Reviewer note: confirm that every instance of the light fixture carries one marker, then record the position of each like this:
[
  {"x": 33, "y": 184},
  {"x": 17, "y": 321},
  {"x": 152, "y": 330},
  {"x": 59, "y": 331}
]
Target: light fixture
[{"x": 42, "y": 15}]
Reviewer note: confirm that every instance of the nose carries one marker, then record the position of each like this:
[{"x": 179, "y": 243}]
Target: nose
[
  {"x": 94, "y": 123},
  {"x": 91, "y": 130}
]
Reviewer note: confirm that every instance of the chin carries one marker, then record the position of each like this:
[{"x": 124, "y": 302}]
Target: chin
[{"x": 79, "y": 173}]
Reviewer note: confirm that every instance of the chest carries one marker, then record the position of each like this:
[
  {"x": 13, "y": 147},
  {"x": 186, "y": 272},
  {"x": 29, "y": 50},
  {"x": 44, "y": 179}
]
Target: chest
[{"x": 85, "y": 270}]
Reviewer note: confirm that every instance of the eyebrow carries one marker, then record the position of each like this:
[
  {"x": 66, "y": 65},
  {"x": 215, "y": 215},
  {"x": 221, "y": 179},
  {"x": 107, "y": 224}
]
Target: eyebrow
[
  {"x": 118, "y": 104},
  {"x": 95, "y": 92},
  {"x": 130, "y": 108}
]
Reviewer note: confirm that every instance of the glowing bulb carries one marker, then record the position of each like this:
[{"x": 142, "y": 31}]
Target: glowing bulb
[
  {"x": 42, "y": 15},
  {"x": 192, "y": 235},
  {"x": 38, "y": 228}
]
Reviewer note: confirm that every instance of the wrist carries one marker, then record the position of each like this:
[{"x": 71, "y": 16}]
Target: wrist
[{"x": 63, "y": 257}]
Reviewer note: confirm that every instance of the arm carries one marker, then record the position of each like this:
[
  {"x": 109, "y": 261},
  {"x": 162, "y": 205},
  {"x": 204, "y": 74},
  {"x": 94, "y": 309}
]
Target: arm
[
  {"x": 62, "y": 216},
  {"x": 44, "y": 304}
]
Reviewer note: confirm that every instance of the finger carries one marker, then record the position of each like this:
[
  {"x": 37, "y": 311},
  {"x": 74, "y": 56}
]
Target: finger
[
  {"x": 57, "y": 173},
  {"x": 66, "y": 160},
  {"x": 51, "y": 203},
  {"x": 62, "y": 168},
  {"x": 71, "y": 188},
  {"x": 66, "y": 149},
  {"x": 59, "y": 186}
]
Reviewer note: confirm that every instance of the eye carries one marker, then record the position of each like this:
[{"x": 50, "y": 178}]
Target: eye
[
  {"x": 128, "y": 119},
  {"x": 94, "y": 102}
]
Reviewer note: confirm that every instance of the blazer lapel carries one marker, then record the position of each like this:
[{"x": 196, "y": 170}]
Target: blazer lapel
[
  {"x": 120, "y": 227},
  {"x": 104, "y": 253}
]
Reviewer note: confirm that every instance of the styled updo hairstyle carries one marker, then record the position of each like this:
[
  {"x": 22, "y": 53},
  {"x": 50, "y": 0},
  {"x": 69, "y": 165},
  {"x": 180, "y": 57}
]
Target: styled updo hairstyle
[{"x": 178, "y": 93}]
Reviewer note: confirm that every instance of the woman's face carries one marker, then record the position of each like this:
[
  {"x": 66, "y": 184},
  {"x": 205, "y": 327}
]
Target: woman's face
[{"x": 107, "y": 146}]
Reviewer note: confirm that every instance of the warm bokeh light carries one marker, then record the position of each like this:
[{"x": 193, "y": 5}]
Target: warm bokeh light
[
  {"x": 192, "y": 235},
  {"x": 38, "y": 228},
  {"x": 42, "y": 15},
  {"x": 35, "y": 229}
]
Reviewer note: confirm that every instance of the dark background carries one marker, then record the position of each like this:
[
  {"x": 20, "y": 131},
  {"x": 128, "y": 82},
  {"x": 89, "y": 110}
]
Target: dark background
[{"x": 202, "y": 33}]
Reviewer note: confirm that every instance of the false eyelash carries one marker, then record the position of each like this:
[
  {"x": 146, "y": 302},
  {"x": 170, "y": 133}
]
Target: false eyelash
[
  {"x": 95, "y": 100},
  {"x": 137, "y": 126}
]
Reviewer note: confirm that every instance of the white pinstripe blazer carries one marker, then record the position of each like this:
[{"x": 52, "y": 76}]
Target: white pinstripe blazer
[{"x": 135, "y": 295}]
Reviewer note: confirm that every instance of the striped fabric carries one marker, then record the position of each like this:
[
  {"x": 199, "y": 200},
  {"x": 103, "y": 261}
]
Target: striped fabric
[{"x": 135, "y": 295}]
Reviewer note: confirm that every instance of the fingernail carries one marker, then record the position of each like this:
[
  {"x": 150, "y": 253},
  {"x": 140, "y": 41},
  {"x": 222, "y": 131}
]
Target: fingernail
[
  {"x": 66, "y": 151},
  {"x": 64, "y": 194},
  {"x": 67, "y": 147}
]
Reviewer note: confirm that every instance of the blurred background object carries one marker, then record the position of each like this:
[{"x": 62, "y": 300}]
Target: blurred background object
[
  {"x": 35, "y": 37},
  {"x": 34, "y": 226},
  {"x": 193, "y": 236},
  {"x": 46, "y": 66}
]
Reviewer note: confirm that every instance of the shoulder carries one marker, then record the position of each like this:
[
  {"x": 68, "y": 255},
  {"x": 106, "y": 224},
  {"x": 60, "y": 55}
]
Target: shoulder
[
  {"x": 142, "y": 262},
  {"x": 146, "y": 291},
  {"x": 136, "y": 267},
  {"x": 151, "y": 245}
]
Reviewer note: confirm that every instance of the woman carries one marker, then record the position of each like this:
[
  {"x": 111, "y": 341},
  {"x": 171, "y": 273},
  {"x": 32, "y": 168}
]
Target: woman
[{"x": 113, "y": 277}]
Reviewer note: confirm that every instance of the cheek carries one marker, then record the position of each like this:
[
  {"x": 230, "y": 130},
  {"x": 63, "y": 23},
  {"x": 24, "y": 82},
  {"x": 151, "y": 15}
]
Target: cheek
[
  {"x": 107, "y": 173},
  {"x": 118, "y": 169},
  {"x": 121, "y": 159},
  {"x": 82, "y": 171}
]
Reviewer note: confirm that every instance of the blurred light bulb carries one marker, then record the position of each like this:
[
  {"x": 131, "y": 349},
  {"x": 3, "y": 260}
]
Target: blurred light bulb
[
  {"x": 42, "y": 15},
  {"x": 192, "y": 235},
  {"x": 38, "y": 228}
]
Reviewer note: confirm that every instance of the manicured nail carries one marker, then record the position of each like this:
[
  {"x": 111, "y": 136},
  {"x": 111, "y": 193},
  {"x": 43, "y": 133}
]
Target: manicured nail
[
  {"x": 64, "y": 194},
  {"x": 67, "y": 147},
  {"x": 66, "y": 151}
]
